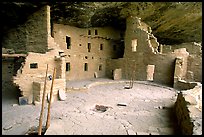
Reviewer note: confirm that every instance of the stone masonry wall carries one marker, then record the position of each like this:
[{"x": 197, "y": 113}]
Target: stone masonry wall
[
  {"x": 38, "y": 30},
  {"x": 191, "y": 48},
  {"x": 29, "y": 75},
  {"x": 77, "y": 55},
  {"x": 145, "y": 53},
  {"x": 34, "y": 67},
  {"x": 38, "y": 86},
  {"x": 7, "y": 73},
  {"x": 194, "y": 68},
  {"x": 188, "y": 110},
  {"x": 32, "y": 35}
]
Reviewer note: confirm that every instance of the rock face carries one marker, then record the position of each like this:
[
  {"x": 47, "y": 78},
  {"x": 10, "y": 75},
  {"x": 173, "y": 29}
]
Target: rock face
[{"x": 171, "y": 22}]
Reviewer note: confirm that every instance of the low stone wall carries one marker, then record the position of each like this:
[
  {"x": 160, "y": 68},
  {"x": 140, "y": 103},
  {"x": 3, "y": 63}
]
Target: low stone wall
[
  {"x": 188, "y": 109},
  {"x": 184, "y": 85}
]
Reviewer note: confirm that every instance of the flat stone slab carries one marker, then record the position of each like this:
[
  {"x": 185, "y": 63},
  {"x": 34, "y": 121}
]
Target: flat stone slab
[
  {"x": 142, "y": 133},
  {"x": 62, "y": 95},
  {"x": 131, "y": 132}
]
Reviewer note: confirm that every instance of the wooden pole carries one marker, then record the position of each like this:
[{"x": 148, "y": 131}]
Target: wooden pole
[
  {"x": 48, "y": 113},
  {"x": 134, "y": 74},
  {"x": 132, "y": 79},
  {"x": 42, "y": 108}
]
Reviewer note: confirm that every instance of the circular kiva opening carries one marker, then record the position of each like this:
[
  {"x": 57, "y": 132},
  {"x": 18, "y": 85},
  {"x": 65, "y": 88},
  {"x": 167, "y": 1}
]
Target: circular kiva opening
[{"x": 34, "y": 131}]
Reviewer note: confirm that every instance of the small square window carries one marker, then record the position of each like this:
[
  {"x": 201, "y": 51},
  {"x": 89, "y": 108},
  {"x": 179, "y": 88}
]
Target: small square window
[{"x": 33, "y": 65}]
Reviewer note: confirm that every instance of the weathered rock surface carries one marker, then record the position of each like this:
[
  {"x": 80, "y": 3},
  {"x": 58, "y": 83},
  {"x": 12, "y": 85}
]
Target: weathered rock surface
[{"x": 171, "y": 22}]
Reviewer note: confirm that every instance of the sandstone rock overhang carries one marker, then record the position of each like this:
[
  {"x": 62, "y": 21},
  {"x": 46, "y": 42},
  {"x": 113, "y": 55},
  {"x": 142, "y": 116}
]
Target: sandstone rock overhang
[{"x": 171, "y": 22}]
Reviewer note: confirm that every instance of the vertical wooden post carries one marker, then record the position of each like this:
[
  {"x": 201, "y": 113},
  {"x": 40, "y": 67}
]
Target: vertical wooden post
[
  {"x": 48, "y": 113},
  {"x": 134, "y": 71},
  {"x": 42, "y": 107}
]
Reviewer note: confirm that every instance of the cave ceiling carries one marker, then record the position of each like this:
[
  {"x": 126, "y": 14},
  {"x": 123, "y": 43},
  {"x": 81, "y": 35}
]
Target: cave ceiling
[{"x": 171, "y": 22}]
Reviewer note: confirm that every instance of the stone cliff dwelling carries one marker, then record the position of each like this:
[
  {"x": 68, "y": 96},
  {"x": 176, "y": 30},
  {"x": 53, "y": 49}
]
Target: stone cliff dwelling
[{"x": 80, "y": 54}]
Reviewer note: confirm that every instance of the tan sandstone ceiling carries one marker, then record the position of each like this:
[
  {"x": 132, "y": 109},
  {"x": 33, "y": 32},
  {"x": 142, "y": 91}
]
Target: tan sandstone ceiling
[{"x": 171, "y": 22}]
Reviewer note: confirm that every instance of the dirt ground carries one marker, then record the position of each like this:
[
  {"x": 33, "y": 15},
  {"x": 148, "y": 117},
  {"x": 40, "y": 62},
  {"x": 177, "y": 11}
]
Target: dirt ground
[{"x": 143, "y": 110}]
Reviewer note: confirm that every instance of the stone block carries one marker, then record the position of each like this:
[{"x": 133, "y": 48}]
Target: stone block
[
  {"x": 95, "y": 75},
  {"x": 131, "y": 132},
  {"x": 117, "y": 74},
  {"x": 154, "y": 133},
  {"x": 62, "y": 95},
  {"x": 23, "y": 100},
  {"x": 190, "y": 99},
  {"x": 142, "y": 133}
]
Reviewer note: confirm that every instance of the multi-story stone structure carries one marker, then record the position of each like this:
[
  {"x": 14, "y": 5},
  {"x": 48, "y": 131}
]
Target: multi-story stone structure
[{"x": 84, "y": 53}]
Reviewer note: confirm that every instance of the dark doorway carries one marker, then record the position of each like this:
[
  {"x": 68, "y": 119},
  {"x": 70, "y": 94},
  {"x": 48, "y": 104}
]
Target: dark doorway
[
  {"x": 68, "y": 41},
  {"x": 118, "y": 49}
]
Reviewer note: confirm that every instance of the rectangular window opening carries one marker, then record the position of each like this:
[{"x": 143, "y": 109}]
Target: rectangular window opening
[
  {"x": 33, "y": 65},
  {"x": 101, "y": 46},
  {"x": 96, "y": 32},
  {"x": 89, "y": 32},
  {"x": 86, "y": 67},
  {"x": 68, "y": 66},
  {"x": 89, "y": 47},
  {"x": 134, "y": 45},
  {"x": 68, "y": 41}
]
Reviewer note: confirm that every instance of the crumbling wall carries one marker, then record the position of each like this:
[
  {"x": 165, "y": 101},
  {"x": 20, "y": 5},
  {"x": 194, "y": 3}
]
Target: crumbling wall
[
  {"x": 141, "y": 50},
  {"x": 103, "y": 46},
  {"x": 191, "y": 47},
  {"x": 138, "y": 47},
  {"x": 180, "y": 65},
  {"x": 194, "y": 68},
  {"x": 34, "y": 71},
  {"x": 34, "y": 68},
  {"x": 32, "y": 35},
  {"x": 188, "y": 110},
  {"x": 10, "y": 64}
]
